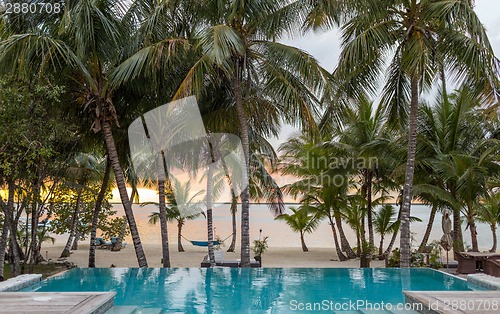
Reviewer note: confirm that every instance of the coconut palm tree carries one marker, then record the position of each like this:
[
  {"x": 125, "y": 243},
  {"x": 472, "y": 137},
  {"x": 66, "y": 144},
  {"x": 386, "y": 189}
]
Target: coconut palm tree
[
  {"x": 236, "y": 45},
  {"x": 408, "y": 31},
  {"x": 302, "y": 221},
  {"x": 365, "y": 138},
  {"x": 81, "y": 170},
  {"x": 83, "y": 43},
  {"x": 384, "y": 223},
  {"x": 489, "y": 212},
  {"x": 184, "y": 195},
  {"x": 323, "y": 179}
]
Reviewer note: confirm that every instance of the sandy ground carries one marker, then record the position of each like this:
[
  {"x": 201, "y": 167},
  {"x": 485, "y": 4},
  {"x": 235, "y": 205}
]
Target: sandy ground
[{"x": 274, "y": 257}]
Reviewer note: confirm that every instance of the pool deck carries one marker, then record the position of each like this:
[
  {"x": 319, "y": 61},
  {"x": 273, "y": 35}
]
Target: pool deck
[
  {"x": 455, "y": 302},
  {"x": 56, "y": 302}
]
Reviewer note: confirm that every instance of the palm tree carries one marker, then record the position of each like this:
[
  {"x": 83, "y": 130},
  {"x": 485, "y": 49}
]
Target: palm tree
[
  {"x": 81, "y": 170},
  {"x": 384, "y": 223},
  {"x": 236, "y": 46},
  {"x": 182, "y": 196},
  {"x": 408, "y": 31},
  {"x": 84, "y": 43},
  {"x": 364, "y": 137},
  {"x": 489, "y": 212},
  {"x": 301, "y": 221},
  {"x": 97, "y": 209},
  {"x": 322, "y": 181}
]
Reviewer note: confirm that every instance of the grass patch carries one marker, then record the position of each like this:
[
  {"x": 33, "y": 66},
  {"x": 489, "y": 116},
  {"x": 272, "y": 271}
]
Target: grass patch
[{"x": 46, "y": 270}]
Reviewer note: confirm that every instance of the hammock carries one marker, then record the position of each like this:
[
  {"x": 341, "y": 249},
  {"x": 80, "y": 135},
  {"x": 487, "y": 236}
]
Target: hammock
[{"x": 205, "y": 243}]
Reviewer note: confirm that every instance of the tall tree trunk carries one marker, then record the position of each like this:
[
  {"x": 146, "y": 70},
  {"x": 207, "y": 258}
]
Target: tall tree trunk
[
  {"x": 163, "y": 222},
  {"x": 210, "y": 229},
  {"x": 180, "y": 248},
  {"x": 369, "y": 212},
  {"x": 410, "y": 169},
  {"x": 428, "y": 230},
  {"x": 344, "y": 243},
  {"x": 118, "y": 245},
  {"x": 245, "y": 196},
  {"x": 395, "y": 234},
  {"x": 234, "y": 205},
  {"x": 458, "y": 240},
  {"x": 341, "y": 255},
  {"x": 362, "y": 228},
  {"x": 304, "y": 247},
  {"x": 33, "y": 258},
  {"x": 15, "y": 266},
  {"x": 78, "y": 234},
  {"x": 473, "y": 234},
  {"x": 97, "y": 210},
  {"x": 381, "y": 248},
  {"x": 3, "y": 247},
  {"x": 120, "y": 182},
  {"x": 358, "y": 242},
  {"x": 72, "y": 232},
  {"x": 494, "y": 233}
]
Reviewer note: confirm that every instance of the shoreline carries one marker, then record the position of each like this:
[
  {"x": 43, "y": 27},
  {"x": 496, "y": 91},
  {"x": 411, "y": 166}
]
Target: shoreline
[{"x": 275, "y": 257}]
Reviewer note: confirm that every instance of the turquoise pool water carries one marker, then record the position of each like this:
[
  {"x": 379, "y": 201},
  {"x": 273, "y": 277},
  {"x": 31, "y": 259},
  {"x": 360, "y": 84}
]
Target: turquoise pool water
[{"x": 265, "y": 290}]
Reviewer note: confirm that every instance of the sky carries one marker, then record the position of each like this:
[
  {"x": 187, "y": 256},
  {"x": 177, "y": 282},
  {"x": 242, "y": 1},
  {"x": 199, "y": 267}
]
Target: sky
[{"x": 325, "y": 47}]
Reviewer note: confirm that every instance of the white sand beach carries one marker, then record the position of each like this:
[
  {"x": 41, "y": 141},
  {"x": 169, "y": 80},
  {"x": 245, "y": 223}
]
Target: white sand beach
[{"x": 274, "y": 257}]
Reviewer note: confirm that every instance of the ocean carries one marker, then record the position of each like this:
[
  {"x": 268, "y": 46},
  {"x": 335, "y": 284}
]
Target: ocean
[{"x": 280, "y": 235}]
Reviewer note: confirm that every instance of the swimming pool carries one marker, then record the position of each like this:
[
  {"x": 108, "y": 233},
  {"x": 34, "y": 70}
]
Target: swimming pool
[{"x": 264, "y": 290}]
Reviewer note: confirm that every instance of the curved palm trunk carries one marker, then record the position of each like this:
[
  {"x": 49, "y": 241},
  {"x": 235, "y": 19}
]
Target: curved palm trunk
[
  {"x": 410, "y": 169},
  {"x": 78, "y": 234},
  {"x": 369, "y": 212},
  {"x": 210, "y": 229},
  {"x": 395, "y": 234},
  {"x": 304, "y": 247},
  {"x": 233, "y": 219},
  {"x": 180, "y": 248},
  {"x": 74, "y": 219},
  {"x": 381, "y": 248},
  {"x": 428, "y": 230},
  {"x": 234, "y": 206},
  {"x": 163, "y": 224},
  {"x": 245, "y": 196},
  {"x": 458, "y": 240},
  {"x": 494, "y": 233},
  {"x": 97, "y": 210},
  {"x": 473, "y": 233},
  {"x": 344, "y": 243},
  {"x": 341, "y": 255},
  {"x": 3, "y": 247},
  {"x": 120, "y": 182},
  {"x": 33, "y": 258}
]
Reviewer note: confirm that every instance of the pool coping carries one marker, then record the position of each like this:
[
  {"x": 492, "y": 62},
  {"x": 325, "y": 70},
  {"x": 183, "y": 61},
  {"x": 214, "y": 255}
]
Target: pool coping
[{"x": 20, "y": 282}]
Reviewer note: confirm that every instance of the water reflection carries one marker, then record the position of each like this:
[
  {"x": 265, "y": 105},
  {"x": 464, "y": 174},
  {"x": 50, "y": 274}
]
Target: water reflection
[{"x": 271, "y": 290}]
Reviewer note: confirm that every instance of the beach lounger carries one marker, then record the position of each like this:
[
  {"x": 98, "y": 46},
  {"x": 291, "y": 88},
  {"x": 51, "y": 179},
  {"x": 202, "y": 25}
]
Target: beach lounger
[
  {"x": 491, "y": 266},
  {"x": 100, "y": 243},
  {"x": 466, "y": 264},
  {"x": 220, "y": 261}
]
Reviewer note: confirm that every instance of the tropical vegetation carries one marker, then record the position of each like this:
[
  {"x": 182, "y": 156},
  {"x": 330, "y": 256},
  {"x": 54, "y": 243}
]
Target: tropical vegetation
[{"x": 73, "y": 81}]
